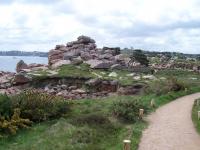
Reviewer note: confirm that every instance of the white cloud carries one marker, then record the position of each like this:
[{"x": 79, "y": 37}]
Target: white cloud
[{"x": 151, "y": 25}]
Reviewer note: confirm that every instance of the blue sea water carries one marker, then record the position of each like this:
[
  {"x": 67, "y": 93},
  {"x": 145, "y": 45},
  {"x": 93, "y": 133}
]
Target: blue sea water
[{"x": 8, "y": 63}]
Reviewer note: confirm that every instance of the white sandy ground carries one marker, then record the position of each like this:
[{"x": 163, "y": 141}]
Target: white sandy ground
[{"x": 171, "y": 127}]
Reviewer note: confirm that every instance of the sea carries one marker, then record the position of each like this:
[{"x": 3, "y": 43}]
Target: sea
[{"x": 8, "y": 63}]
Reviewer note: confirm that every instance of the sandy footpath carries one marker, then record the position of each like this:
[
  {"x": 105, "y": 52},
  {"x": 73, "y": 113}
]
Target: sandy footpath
[{"x": 171, "y": 127}]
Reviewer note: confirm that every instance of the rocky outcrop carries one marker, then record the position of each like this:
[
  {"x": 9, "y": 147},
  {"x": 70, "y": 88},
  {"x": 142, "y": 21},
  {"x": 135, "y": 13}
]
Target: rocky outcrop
[
  {"x": 71, "y": 50},
  {"x": 21, "y": 78},
  {"x": 177, "y": 65},
  {"x": 99, "y": 64},
  {"x": 60, "y": 63},
  {"x": 21, "y": 65},
  {"x": 6, "y": 86},
  {"x": 75, "y": 88},
  {"x": 99, "y": 85},
  {"x": 130, "y": 90},
  {"x": 84, "y": 50},
  {"x": 5, "y": 79}
]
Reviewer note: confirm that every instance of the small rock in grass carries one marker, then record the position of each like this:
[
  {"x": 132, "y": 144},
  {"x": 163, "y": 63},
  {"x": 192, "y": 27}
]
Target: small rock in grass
[{"x": 113, "y": 74}]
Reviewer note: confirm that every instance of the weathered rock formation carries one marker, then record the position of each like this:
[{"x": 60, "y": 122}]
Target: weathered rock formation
[
  {"x": 177, "y": 65},
  {"x": 78, "y": 88},
  {"x": 21, "y": 65},
  {"x": 21, "y": 78},
  {"x": 84, "y": 50},
  {"x": 6, "y": 85}
]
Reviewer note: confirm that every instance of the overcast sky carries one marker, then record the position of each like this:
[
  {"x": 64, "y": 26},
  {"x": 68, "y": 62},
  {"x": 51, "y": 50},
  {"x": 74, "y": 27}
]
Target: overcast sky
[{"x": 161, "y": 25}]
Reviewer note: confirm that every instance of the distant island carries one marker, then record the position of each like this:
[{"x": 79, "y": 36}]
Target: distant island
[{"x": 23, "y": 53}]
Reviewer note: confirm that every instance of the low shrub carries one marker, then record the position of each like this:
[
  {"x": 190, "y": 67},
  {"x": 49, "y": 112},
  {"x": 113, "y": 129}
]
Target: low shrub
[
  {"x": 128, "y": 110},
  {"x": 175, "y": 85},
  {"x": 38, "y": 106},
  {"x": 171, "y": 84},
  {"x": 91, "y": 119},
  {"x": 11, "y": 125},
  {"x": 5, "y": 106},
  {"x": 20, "y": 110}
]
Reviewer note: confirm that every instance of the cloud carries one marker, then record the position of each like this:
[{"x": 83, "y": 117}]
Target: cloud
[
  {"x": 171, "y": 25},
  {"x": 28, "y": 1}
]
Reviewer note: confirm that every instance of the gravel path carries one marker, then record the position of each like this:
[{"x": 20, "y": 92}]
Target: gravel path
[{"x": 171, "y": 127}]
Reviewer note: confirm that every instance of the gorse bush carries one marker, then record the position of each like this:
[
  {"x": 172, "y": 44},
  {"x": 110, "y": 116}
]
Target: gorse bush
[
  {"x": 127, "y": 110},
  {"x": 11, "y": 125},
  {"x": 19, "y": 111},
  {"x": 38, "y": 106},
  {"x": 10, "y": 120}
]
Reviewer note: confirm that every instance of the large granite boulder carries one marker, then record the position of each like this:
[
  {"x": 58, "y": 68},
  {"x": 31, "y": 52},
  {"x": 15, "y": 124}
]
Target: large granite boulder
[
  {"x": 93, "y": 82},
  {"x": 21, "y": 78},
  {"x": 77, "y": 61},
  {"x": 21, "y": 65},
  {"x": 72, "y": 54},
  {"x": 86, "y": 56},
  {"x": 60, "y": 63},
  {"x": 116, "y": 67},
  {"x": 99, "y": 64},
  {"x": 112, "y": 50},
  {"x": 85, "y": 39},
  {"x": 130, "y": 89}
]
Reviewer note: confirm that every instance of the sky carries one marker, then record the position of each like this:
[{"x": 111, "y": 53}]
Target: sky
[{"x": 155, "y": 25}]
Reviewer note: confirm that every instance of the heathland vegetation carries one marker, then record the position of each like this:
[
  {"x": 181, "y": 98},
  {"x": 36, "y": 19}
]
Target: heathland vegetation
[{"x": 89, "y": 98}]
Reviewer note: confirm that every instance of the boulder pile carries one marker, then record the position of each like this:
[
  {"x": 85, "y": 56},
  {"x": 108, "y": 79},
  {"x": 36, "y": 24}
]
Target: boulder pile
[
  {"x": 95, "y": 88},
  {"x": 177, "y": 65},
  {"x": 23, "y": 67},
  {"x": 84, "y": 50},
  {"x": 5, "y": 79},
  {"x": 6, "y": 85}
]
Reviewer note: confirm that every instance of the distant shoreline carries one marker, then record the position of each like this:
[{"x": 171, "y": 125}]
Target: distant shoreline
[
  {"x": 8, "y": 63},
  {"x": 23, "y": 53}
]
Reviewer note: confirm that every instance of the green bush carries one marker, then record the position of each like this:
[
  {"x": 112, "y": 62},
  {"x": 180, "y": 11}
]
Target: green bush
[
  {"x": 5, "y": 106},
  {"x": 11, "y": 125},
  {"x": 175, "y": 85},
  {"x": 128, "y": 110},
  {"x": 171, "y": 84},
  {"x": 38, "y": 106}
]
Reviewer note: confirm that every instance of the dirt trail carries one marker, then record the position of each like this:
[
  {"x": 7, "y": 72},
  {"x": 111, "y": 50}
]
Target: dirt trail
[{"x": 171, "y": 127}]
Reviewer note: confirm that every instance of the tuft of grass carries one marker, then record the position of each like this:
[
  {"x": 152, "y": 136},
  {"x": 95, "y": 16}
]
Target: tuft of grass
[
  {"x": 82, "y": 70},
  {"x": 195, "y": 120}
]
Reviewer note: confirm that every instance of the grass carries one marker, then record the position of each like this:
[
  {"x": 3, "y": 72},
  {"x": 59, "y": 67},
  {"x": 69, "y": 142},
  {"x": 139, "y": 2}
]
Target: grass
[
  {"x": 84, "y": 70},
  {"x": 90, "y": 125},
  {"x": 195, "y": 120},
  {"x": 65, "y": 134}
]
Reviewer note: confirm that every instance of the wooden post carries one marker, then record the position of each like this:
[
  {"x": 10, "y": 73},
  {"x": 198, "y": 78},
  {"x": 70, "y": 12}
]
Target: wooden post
[
  {"x": 186, "y": 89},
  {"x": 141, "y": 113},
  {"x": 127, "y": 145},
  {"x": 198, "y": 115},
  {"x": 198, "y": 100},
  {"x": 152, "y": 103}
]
